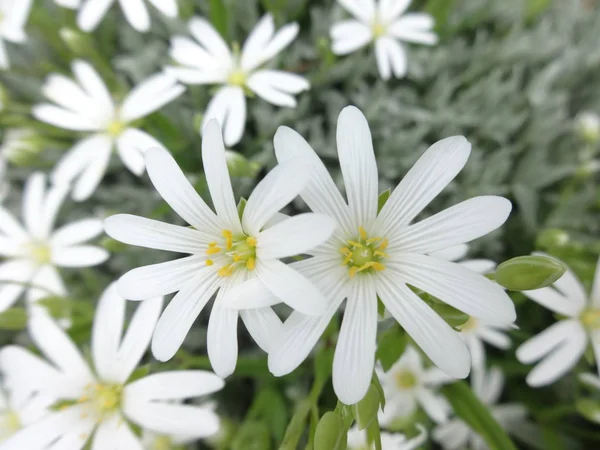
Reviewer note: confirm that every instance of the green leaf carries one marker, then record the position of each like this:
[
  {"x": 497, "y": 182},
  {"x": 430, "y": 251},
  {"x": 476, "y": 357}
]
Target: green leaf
[
  {"x": 590, "y": 409},
  {"x": 13, "y": 319},
  {"x": 139, "y": 372},
  {"x": 451, "y": 315},
  {"x": 218, "y": 16},
  {"x": 294, "y": 431},
  {"x": 241, "y": 207},
  {"x": 391, "y": 346},
  {"x": 365, "y": 411},
  {"x": 375, "y": 382},
  {"x": 535, "y": 7},
  {"x": 469, "y": 408},
  {"x": 525, "y": 273},
  {"x": 252, "y": 435},
  {"x": 374, "y": 434},
  {"x": 329, "y": 432},
  {"x": 270, "y": 407},
  {"x": 383, "y": 197},
  {"x": 439, "y": 9}
]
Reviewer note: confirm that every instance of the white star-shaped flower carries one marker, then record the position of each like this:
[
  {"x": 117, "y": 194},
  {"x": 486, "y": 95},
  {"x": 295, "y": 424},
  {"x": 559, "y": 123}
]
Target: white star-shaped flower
[
  {"x": 207, "y": 59},
  {"x": 86, "y": 105},
  {"x": 456, "y": 434},
  {"x": 91, "y": 12},
  {"x": 33, "y": 252},
  {"x": 13, "y": 16},
  {"x": 560, "y": 346},
  {"x": 225, "y": 251},
  {"x": 373, "y": 255},
  {"x": 357, "y": 440},
  {"x": 385, "y": 24},
  {"x": 98, "y": 404},
  {"x": 408, "y": 385},
  {"x": 18, "y": 410}
]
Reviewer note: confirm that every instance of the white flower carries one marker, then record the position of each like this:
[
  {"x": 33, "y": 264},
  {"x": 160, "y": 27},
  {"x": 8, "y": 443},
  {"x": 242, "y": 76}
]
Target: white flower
[
  {"x": 91, "y": 12},
  {"x": 561, "y": 345},
  {"x": 374, "y": 255},
  {"x": 208, "y": 60},
  {"x": 13, "y": 15},
  {"x": 224, "y": 252},
  {"x": 357, "y": 440},
  {"x": 384, "y": 24},
  {"x": 101, "y": 402},
  {"x": 86, "y": 105},
  {"x": 18, "y": 411},
  {"x": 587, "y": 124},
  {"x": 3, "y": 182},
  {"x": 590, "y": 380},
  {"x": 408, "y": 385},
  {"x": 456, "y": 435},
  {"x": 34, "y": 251}
]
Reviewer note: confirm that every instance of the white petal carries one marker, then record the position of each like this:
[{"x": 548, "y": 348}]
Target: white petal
[
  {"x": 228, "y": 108},
  {"x": 550, "y": 298},
  {"x": 276, "y": 86},
  {"x": 590, "y": 379},
  {"x": 595, "y": 293},
  {"x": 210, "y": 39},
  {"x": 176, "y": 190},
  {"x": 390, "y": 9},
  {"x": 4, "y": 62},
  {"x": 181, "y": 313},
  {"x": 77, "y": 232},
  {"x": 278, "y": 188},
  {"x": 89, "y": 79},
  {"x": 295, "y": 290},
  {"x": 69, "y": 95},
  {"x": 461, "y": 288},
  {"x": 363, "y": 10},
  {"x": 149, "y": 96},
  {"x": 91, "y": 176},
  {"x": 274, "y": 45},
  {"x": 479, "y": 265},
  {"x": 454, "y": 253},
  {"x": 131, "y": 146},
  {"x": 454, "y": 435},
  {"x": 256, "y": 42},
  {"x": 384, "y": 65},
  {"x": 114, "y": 433},
  {"x": 495, "y": 338},
  {"x": 543, "y": 343},
  {"x": 595, "y": 339},
  {"x": 217, "y": 176},
  {"x": 263, "y": 325},
  {"x": 135, "y": 230},
  {"x": 10, "y": 226},
  {"x": 440, "y": 343},
  {"x": 430, "y": 174},
  {"x": 221, "y": 338},
  {"x": 159, "y": 279},
  {"x": 167, "y": 7},
  {"x": 13, "y": 277},
  {"x": 196, "y": 76},
  {"x": 91, "y": 13},
  {"x": 354, "y": 357},
  {"x": 190, "y": 54},
  {"x": 397, "y": 56},
  {"x": 174, "y": 385},
  {"x": 49, "y": 282},
  {"x": 348, "y": 36},
  {"x": 321, "y": 194},
  {"x": 79, "y": 256},
  {"x": 33, "y": 200},
  {"x": 106, "y": 332},
  {"x": 456, "y": 225},
  {"x": 477, "y": 351},
  {"x": 415, "y": 27},
  {"x": 572, "y": 288},
  {"x": 55, "y": 197},
  {"x": 296, "y": 235},
  {"x": 62, "y": 118},
  {"x": 434, "y": 406},
  {"x": 249, "y": 294},
  {"x": 79, "y": 157},
  {"x": 359, "y": 168},
  {"x": 136, "y": 14}
]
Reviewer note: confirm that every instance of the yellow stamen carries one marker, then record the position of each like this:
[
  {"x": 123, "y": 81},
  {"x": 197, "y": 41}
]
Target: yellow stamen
[
  {"x": 250, "y": 264},
  {"x": 251, "y": 241},
  {"x": 378, "y": 266},
  {"x": 209, "y": 262},
  {"x": 373, "y": 239},
  {"x": 362, "y": 232},
  {"x": 355, "y": 244},
  {"x": 380, "y": 253},
  {"x": 384, "y": 244},
  {"x": 345, "y": 251},
  {"x": 352, "y": 271},
  {"x": 347, "y": 258},
  {"x": 213, "y": 250}
]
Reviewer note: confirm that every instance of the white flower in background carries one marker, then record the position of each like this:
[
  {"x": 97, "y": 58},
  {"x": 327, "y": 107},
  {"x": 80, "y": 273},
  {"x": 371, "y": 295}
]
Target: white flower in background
[
  {"x": 587, "y": 124},
  {"x": 408, "y": 385},
  {"x": 86, "y": 105},
  {"x": 385, "y": 24},
  {"x": 98, "y": 404},
  {"x": 18, "y": 144},
  {"x": 225, "y": 250},
  {"x": 3, "y": 181},
  {"x": 13, "y": 16},
  {"x": 357, "y": 440},
  {"x": 91, "y": 12},
  {"x": 456, "y": 435},
  {"x": 560, "y": 346},
  {"x": 18, "y": 411},
  {"x": 476, "y": 332},
  {"x": 590, "y": 380},
  {"x": 33, "y": 252},
  {"x": 208, "y": 60},
  {"x": 374, "y": 255}
]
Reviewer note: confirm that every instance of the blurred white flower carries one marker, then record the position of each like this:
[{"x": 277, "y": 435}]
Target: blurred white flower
[
  {"x": 91, "y": 12},
  {"x": 590, "y": 380},
  {"x": 408, "y": 385},
  {"x": 373, "y": 255},
  {"x": 357, "y": 440},
  {"x": 208, "y": 60},
  {"x": 587, "y": 124},
  {"x": 86, "y": 105},
  {"x": 225, "y": 250},
  {"x": 17, "y": 411},
  {"x": 20, "y": 144},
  {"x": 13, "y": 16},
  {"x": 3, "y": 181},
  {"x": 33, "y": 252},
  {"x": 456, "y": 435},
  {"x": 560, "y": 346},
  {"x": 385, "y": 24},
  {"x": 100, "y": 402}
]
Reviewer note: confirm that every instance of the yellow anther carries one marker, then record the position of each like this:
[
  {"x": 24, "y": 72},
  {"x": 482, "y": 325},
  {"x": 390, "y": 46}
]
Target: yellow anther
[
  {"x": 236, "y": 257},
  {"x": 352, "y": 271},
  {"x": 251, "y": 263},
  {"x": 225, "y": 271},
  {"x": 209, "y": 262},
  {"x": 213, "y": 250},
  {"x": 345, "y": 251},
  {"x": 355, "y": 244},
  {"x": 365, "y": 266},
  {"x": 227, "y": 233},
  {"x": 384, "y": 244},
  {"x": 251, "y": 241},
  {"x": 362, "y": 232},
  {"x": 212, "y": 244},
  {"x": 378, "y": 266},
  {"x": 380, "y": 253},
  {"x": 373, "y": 239},
  {"x": 347, "y": 259},
  {"x": 83, "y": 399}
]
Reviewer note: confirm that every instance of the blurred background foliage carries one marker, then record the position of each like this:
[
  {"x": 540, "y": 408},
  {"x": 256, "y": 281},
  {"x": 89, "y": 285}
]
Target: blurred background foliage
[{"x": 512, "y": 76}]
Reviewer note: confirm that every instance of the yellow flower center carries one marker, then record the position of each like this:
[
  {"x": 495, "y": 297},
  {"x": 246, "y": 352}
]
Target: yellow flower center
[
  {"x": 239, "y": 250},
  {"x": 405, "y": 379},
  {"x": 40, "y": 252},
  {"x": 378, "y": 29},
  {"x": 115, "y": 128},
  {"x": 102, "y": 399},
  {"x": 364, "y": 254},
  {"x": 469, "y": 325},
  {"x": 237, "y": 78},
  {"x": 591, "y": 318},
  {"x": 9, "y": 424}
]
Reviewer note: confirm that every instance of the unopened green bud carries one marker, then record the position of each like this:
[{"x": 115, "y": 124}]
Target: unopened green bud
[
  {"x": 21, "y": 146},
  {"x": 365, "y": 411},
  {"x": 77, "y": 41},
  {"x": 525, "y": 273},
  {"x": 552, "y": 238},
  {"x": 587, "y": 125},
  {"x": 239, "y": 166},
  {"x": 588, "y": 408},
  {"x": 329, "y": 433}
]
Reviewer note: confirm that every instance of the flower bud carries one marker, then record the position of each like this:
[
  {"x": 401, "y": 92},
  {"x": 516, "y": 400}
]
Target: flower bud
[
  {"x": 21, "y": 146},
  {"x": 587, "y": 125},
  {"x": 328, "y": 434},
  {"x": 525, "y": 273}
]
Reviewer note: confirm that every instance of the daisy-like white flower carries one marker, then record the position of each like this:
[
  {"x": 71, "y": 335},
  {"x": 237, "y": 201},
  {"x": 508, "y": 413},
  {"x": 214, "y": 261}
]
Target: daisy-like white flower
[
  {"x": 373, "y": 255},
  {"x": 357, "y": 440},
  {"x": 97, "y": 405},
  {"x": 408, "y": 385},
  {"x": 18, "y": 411},
  {"x": 91, "y": 12},
  {"x": 13, "y": 16},
  {"x": 86, "y": 105},
  {"x": 561, "y": 345},
  {"x": 225, "y": 251},
  {"x": 33, "y": 252},
  {"x": 207, "y": 59},
  {"x": 385, "y": 24},
  {"x": 456, "y": 435}
]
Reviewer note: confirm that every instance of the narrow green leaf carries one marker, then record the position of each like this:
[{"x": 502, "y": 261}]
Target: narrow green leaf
[
  {"x": 365, "y": 411},
  {"x": 469, "y": 408},
  {"x": 525, "y": 273},
  {"x": 383, "y": 197},
  {"x": 294, "y": 431},
  {"x": 218, "y": 16},
  {"x": 13, "y": 319},
  {"x": 241, "y": 206}
]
